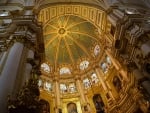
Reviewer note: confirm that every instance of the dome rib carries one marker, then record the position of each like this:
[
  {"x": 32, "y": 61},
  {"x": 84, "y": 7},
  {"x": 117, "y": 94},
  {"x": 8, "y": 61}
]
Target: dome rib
[
  {"x": 81, "y": 33},
  {"x": 51, "y": 40},
  {"x": 80, "y": 45},
  {"x": 57, "y": 51},
  {"x": 52, "y": 26},
  {"x": 67, "y": 20},
  {"x": 69, "y": 51},
  {"x": 75, "y": 24}
]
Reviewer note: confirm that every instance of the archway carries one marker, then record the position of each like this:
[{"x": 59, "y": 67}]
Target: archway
[
  {"x": 72, "y": 108},
  {"x": 99, "y": 104},
  {"x": 45, "y": 107}
]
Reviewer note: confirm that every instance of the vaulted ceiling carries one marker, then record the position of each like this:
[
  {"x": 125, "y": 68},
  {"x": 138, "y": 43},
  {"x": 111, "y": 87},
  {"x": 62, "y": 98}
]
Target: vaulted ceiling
[{"x": 69, "y": 38}]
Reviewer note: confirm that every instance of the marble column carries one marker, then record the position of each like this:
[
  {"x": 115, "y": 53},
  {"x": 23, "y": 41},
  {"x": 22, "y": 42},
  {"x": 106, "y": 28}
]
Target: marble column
[
  {"x": 118, "y": 66},
  {"x": 9, "y": 74}
]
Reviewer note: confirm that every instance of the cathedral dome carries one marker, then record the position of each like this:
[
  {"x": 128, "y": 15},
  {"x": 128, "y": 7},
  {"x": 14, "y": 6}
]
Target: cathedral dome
[{"x": 71, "y": 43}]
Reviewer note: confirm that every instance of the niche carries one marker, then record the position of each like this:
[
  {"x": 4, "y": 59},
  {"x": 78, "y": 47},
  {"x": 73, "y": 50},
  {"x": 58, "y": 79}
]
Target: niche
[
  {"x": 44, "y": 106},
  {"x": 72, "y": 108},
  {"x": 99, "y": 104},
  {"x": 117, "y": 83}
]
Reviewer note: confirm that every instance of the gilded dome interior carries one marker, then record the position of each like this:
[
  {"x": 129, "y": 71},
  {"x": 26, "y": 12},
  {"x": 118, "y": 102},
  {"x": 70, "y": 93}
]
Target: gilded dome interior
[{"x": 69, "y": 40}]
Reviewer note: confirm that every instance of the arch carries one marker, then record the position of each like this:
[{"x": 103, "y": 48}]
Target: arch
[
  {"x": 44, "y": 106},
  {"x": 99, "y": 104},
  {"x": 72, "y": 108},
  {"x": 117, "y": 83}
]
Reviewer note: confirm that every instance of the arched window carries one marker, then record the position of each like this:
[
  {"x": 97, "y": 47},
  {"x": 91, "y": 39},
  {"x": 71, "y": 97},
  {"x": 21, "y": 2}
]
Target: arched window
[
  {"x": 96, "y": 50},
  {"x": 108, "y": 60},
  {"x": 45, "y": 67},
  {"x": 64, "y": 70},
  {"x": 106, "y": 64},
  {"x": 94, "y": 78},
  {"x": 63, "y": 88},
  {"x": 72, "y": 88},
  {"x": 86, "y": 83},
  {"x": 47, "y": 86},
  {"x": 84, "y": 64},
  {"x": 104, "y": 67}
]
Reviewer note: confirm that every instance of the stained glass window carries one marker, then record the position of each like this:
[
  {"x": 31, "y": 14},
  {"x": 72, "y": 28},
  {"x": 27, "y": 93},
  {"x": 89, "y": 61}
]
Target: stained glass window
[
  {"x": 106, "y": 64},
  {"x": 94, "y": 78},
  {"x": 104, "y": 67},
  {"x": 108, "y": 60},
  {"x": 84, "y": 65},
  {"x": 96, "y": 50},
  {"x": 47, "y": 86},
  {"x": 63, "y": 88},
  {"x": 65, "y": 70},
  {"x": 86, "y": 83},
  {"x": 45, "y": 67},
  {"x": 72, "y": 88}
]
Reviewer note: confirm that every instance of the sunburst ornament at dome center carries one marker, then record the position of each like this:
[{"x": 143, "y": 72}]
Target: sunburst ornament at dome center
[{"x": 62, "y": 31}]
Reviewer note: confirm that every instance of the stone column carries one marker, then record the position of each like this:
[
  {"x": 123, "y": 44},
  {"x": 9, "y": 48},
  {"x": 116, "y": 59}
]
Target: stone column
[
  {"x": 100, "y": 77},
  {"x": 57, "y": 95},
  {"x": 81, "y": 92},
  {"x": 105, "y": 85},
  {"x": 9, "y": 74},
  {"x": 88, "y": 103},
  {"x": 118, "y": 66},
  {"x": 80, "y": 89}
]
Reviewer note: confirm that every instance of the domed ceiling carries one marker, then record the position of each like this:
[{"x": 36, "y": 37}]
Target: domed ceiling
[{"x": 69, "y": 39}]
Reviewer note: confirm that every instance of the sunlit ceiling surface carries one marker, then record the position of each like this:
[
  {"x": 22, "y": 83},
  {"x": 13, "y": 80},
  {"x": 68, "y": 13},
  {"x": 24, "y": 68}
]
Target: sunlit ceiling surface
[{"x": 67, "y": 39}]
